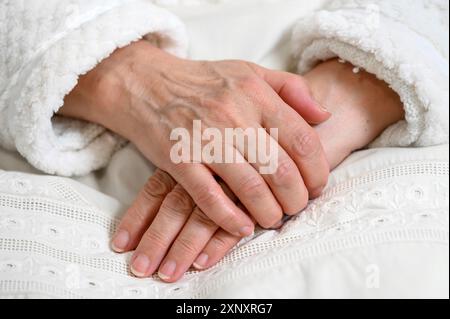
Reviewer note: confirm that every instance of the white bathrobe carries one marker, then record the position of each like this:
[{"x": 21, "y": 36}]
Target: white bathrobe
[
  {"x": 381, "y": 228},
  {"x": 46, "y": 45}
]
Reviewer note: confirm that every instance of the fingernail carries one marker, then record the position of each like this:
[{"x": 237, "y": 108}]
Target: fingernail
[
  {"x": 246, "y": 231},
  {"x": 140, "y": 265},
  {"x": 200, "y": 262},
  {"x": 167, "y": 270},
  {"x": 120, "y": 241}
]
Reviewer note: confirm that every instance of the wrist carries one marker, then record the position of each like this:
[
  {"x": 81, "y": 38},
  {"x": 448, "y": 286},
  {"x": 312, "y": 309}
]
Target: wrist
[{"x": 362, "y": 107}]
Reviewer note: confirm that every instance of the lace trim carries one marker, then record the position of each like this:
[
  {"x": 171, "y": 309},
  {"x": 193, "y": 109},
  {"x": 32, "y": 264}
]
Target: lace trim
[
  {"x": 46, "y": 206},
  {"x": 406, "y": 169},
  {"x": 320, "y": 249},
  {"x": 47, "y": 228},
  {"x": 218, "y": 276},
  {"x": 19, "y": 289},
  {"x": 54, "y": 207},
  {"x": 28, "y": 246}
]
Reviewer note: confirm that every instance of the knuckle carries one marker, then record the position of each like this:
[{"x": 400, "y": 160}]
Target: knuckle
[
  {"x": 187, "y": 245},
  {"x": 135, "y": 216},
  {"x": 220, "y": 243},
  {"x": 306, "y": 144},
  {"x": 228, "y": 221},
  {"x": 207, "y": 196},
  {"x": 178, "y": 202},
  {"x": 158, "y": 185},
  {"x": 285, "y": 173},
  {"x": 155, "y": 238},
  {"x": 203, "y": 219},
  {"x": 253, "y": 187}
]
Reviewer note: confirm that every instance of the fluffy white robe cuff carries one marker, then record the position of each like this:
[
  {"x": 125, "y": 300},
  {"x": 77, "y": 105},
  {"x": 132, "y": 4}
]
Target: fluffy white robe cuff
[
  {"x": 403, "y": 42},
  {"x": 45, "y": 45}
]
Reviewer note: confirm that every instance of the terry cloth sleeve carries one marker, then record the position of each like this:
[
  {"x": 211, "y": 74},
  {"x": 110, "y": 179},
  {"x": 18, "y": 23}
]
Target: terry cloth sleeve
[
  {"x": 45, "y": 45},
  {"x": 403, "y": 42}
]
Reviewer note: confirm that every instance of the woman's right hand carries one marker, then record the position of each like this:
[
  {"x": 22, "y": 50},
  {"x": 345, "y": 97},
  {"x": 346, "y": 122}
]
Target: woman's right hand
[
  {"x": 170, "y": 241},
  {"x": 143, "y": 94}
]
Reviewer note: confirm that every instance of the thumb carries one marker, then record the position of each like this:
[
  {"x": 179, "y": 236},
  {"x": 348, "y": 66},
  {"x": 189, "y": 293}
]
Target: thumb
[{"x": 295, "y": 92}]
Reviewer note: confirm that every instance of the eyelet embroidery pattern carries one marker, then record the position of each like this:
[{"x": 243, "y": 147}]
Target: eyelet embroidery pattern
[{"x": 53, "y": 243}]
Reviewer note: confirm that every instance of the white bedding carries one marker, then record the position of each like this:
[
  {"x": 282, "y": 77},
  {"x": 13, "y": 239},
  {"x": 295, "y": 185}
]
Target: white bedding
[{"x": 380, "y": 230}]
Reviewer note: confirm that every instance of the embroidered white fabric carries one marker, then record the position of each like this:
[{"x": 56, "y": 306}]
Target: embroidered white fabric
[{"x": 383, "y": 214}]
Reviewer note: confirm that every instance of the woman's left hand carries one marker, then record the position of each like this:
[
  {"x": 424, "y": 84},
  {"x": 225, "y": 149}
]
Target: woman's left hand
[{"x": 180, "y": 234}]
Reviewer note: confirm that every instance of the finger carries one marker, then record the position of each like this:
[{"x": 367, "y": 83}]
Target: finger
[
  {"x": 287, "y": 192},
  {"x": 142, "y": 212},
  {"x": 275, "y": 166},
  {"x": 252, "y": 190},
  {"x": 295, "y": 92},
  {"x": 217, "y": 248},
  {"x": 302, "y": 144},
  {"x": 193, "y": 238},
  {"x": 170, "y": 220},
  {"x": 283, "y": 176},
  {"x": 199, "y": 182}
]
